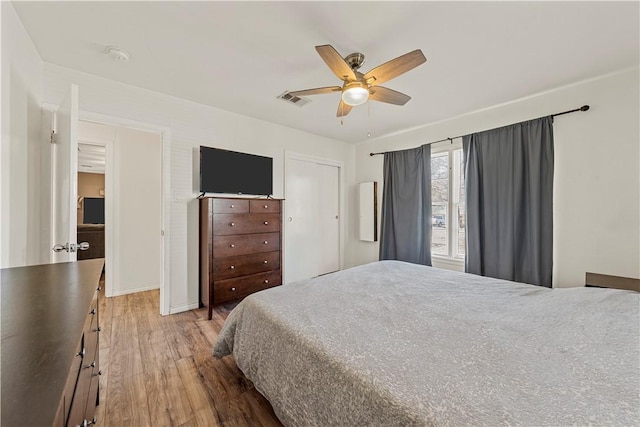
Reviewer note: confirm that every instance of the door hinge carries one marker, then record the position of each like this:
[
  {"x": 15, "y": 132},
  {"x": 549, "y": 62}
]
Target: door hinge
[{"x": 53, "y": 136}]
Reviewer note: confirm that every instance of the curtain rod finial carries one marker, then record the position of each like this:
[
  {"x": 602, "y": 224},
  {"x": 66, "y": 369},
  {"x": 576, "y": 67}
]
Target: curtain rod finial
[{"x": 584, "y": 108}]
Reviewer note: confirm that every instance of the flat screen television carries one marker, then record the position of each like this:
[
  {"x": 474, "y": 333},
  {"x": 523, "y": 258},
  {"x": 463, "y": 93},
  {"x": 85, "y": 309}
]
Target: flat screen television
[
  {"x": 224, "y": 171},
  {"x": 93, "y": 212}
]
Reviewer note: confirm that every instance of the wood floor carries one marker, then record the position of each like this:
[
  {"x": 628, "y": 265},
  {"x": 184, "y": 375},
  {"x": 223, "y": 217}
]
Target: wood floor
[{"x": 159, "y": 371}]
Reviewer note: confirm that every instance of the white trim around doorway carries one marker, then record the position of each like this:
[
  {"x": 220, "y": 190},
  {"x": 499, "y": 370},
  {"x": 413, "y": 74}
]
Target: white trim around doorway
[{"x": 165, "y": 134}]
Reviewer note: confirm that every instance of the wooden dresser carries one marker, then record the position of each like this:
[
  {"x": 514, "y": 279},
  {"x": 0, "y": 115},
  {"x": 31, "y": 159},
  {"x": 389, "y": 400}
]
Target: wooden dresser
[
  {"x": 50, "y": 360},
  {"x": 240, "y": 248}
]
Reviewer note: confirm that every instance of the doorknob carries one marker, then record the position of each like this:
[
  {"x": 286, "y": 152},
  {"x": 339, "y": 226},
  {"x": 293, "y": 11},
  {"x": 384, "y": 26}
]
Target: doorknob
[
  {"x": 83, "y": 246},
  {"x": 290, "y": 219},
  {"x": 60, "y": 248}
]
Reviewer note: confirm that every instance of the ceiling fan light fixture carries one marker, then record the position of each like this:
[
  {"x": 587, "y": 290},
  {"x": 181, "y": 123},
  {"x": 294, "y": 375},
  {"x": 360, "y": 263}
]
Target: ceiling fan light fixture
[{"x": 355, "y": 94}]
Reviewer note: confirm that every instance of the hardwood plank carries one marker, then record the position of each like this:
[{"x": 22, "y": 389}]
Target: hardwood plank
[
  {"x": 125, "y": 350},
  {"x": 201, "y": 401},
  {"x": 127, "y": 403}
]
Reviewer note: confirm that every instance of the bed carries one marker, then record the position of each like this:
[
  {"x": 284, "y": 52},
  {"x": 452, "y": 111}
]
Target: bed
[{"x": 398, "y": 344}]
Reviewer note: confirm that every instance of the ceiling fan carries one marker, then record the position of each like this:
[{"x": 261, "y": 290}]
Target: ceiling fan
[{"x": 358, "y": 87}]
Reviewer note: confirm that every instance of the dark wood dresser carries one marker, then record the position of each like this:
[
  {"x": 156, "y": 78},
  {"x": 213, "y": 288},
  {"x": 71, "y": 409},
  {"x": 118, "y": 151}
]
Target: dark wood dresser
[
  {"x": 240, "y": 248},
  {"x": 50, "y": 360}
]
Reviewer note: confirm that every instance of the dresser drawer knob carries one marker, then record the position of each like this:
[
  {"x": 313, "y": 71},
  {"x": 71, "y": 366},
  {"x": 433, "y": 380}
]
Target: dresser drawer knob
[
  {"x": 97, "y": 373},
  {"x": 265, "y": 242},
  {"x": 93, "y": 311},
  {"x": 266, "y": 206},
  {"x": 98, "y": 329},
  {"x": 233, "y": 206},
  {"x": 232, "y": 224},
  {"x": 232, "y": 267},
  {"x": 265, "y": 262},
  {"x": 232, "y": 245},
  {"x": 91, "y": 365},
  {"x": 99, "y": 288},
  {"x": 266, "y": 223},
  {"x": 82, "y": 353},
  {"x": 86, "y": 423},
  {"x": 266, "y": 281},
  {"x": 233, "y": 289}
]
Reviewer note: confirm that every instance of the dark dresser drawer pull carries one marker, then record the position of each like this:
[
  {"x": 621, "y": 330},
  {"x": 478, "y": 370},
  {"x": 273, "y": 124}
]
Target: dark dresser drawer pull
[
  {"x": 266, "y": 223},
  {"x": 232, "y": 267},
  {"x": 93, "y": 311},
  {"x": 232, "y": 245},
  {"x": 233, "y": 289},
  {"x": 265, "y": 242},
  {"x": 266, "y": 281},
  {"x": 91, "y": 365},
  {"x": 232, "y": 224}
]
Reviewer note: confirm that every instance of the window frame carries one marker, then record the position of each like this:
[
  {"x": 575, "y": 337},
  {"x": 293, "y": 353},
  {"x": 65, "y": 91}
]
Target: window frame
[{"x": 453, "y": 225}]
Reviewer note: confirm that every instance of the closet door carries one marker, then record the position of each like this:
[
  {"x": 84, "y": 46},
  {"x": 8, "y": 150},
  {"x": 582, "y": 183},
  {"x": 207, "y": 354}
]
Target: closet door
[
  {"x": 312, "y": 222},
  {"x": 328, "y": 215}
]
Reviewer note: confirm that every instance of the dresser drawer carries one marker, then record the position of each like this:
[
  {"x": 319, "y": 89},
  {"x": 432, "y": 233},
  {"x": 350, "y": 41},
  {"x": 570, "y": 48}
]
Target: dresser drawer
[
  {"x": 242, "y": 244},
  {"x": 264, "y": 206},
  {"x": 230, "y": 289},
  {"x": 226, "y": 224},
  {"x": 226, "y": 268},
  {"x": 230, "y": 206}
]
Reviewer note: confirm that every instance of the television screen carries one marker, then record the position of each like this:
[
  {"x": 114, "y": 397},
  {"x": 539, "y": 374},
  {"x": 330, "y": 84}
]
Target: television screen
[
  {"x": 223, "y": 171},
  {"x": 93, "y": 210}
]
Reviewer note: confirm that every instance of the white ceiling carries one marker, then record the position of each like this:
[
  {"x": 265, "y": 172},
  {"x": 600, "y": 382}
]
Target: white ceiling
[
  {"x": 239, "y": 56},
  {"x": 91, "y": 158}
]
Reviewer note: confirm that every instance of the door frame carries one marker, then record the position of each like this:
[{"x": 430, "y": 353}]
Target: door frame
[
  {"x": 292, "y": 155},
  {"x": 165, "y": 135}
]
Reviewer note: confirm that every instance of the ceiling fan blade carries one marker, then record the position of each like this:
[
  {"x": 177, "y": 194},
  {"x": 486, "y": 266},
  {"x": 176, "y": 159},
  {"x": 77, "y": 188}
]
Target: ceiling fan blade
[
  {"x": 395, "y": 67},
  {"x": 343, "y": 109},
  {"x": 390, "y": 96},
  {"x": 316, "y": 91},
  {"x": 337, "y": 64}
]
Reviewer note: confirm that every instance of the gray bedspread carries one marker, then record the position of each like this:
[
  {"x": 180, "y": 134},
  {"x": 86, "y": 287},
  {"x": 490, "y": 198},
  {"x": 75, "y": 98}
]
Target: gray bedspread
[{"x": 397, "y": 344}]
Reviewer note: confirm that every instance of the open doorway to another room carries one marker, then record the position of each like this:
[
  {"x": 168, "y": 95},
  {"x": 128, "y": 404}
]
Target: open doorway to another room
[{"x": 120, "y": 204}]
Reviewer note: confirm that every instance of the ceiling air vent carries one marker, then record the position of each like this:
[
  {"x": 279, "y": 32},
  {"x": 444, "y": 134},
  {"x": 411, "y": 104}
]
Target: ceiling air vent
[{"x": 286, "y": 96}]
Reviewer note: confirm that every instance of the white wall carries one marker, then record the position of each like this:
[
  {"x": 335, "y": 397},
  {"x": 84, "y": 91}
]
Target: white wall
[
  {"x": 597, "y": 173},
  {"x": 24, "y": 153},
  {"x": 192, "y": 125}
]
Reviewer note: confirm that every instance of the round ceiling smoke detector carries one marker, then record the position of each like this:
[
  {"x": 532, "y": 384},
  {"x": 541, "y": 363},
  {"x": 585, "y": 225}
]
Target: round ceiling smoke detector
[{"x": 118, "y": 54}]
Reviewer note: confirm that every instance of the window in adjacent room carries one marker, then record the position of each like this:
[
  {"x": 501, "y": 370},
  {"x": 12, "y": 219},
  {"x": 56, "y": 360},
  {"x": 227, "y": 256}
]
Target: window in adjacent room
[{"x": 447, "y": 202}]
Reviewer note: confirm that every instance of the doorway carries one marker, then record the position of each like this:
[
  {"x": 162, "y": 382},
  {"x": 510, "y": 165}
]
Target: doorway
[
  {"x": 313, "y": 212},
  {"x": 132, "y": 197}
]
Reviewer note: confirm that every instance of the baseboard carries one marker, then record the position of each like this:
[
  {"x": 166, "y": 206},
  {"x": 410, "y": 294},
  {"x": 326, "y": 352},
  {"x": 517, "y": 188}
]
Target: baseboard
[
  {"x": 133, "y": 291},
  {"x": 184, "y": 307}
]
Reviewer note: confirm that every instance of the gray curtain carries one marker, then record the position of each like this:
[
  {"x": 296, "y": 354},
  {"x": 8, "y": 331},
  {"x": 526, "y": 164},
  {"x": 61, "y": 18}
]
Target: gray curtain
[
  {"x": 509, "y": 201},
  {"x": 406, "y": 206}
]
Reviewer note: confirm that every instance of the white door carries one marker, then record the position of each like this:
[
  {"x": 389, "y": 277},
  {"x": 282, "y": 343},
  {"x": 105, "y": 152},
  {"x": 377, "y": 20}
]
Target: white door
[
  {"x": 328, "y": 213},
  {"x": 65, "y": 179},
  {"x": 312, "y": 225}
]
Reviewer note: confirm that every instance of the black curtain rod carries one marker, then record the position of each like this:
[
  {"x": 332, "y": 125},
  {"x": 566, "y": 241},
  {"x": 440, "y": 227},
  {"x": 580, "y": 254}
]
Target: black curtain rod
[{"x": 583, "y": 108}]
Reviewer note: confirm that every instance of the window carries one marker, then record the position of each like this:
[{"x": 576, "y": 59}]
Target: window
[{"x": 447, "y": 202}]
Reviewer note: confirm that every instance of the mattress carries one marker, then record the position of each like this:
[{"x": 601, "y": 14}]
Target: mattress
[{"x": 398, "y": 344}]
